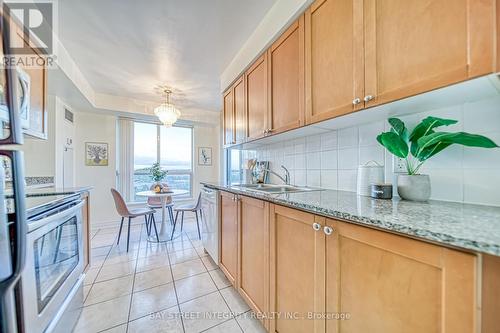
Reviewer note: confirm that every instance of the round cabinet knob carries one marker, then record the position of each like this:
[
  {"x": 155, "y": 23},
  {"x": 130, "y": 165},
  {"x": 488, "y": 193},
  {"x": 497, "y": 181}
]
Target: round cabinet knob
[
  {"x": 368, "y": 98},
  {"x": 356, "y": 101},
  {"x": 328, "y": 230},
  {"x": 316, "y": 226}
]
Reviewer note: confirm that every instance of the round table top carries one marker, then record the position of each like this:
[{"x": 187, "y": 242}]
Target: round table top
[{"x": 170, "y": 193}]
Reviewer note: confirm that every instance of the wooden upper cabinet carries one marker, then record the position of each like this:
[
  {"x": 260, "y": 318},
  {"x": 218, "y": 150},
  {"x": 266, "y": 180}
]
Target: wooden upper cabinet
[
  {"x": 253, "y": 273},
  {"x": 229, "y": 236},
  {"x": 415, "y": 46},
  {"x": 286, "y": 79},
  {"x": 228, "y": 117},
  {"x": 240, "y": 115},
  {"x": 296, "y": 271},
  {"x": 333, "y": 58},
  {"x": 389, "y": 283},
  {"x": 257, "y": 106}
]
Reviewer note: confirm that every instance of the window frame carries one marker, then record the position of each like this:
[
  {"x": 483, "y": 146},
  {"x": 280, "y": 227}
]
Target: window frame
[{"x": 189, "y": 172}]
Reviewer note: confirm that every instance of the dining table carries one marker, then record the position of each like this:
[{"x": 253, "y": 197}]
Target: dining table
[{"x": 165, "y": 234}]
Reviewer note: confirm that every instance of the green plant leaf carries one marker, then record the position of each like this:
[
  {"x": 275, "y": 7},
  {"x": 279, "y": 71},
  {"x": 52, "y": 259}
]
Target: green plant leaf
[
  {"x": 426, "y": 127},
  {"x": 431, "y": 144},
  {"x": 393, "y": 143},
  {"x": 399, "y": 127}
]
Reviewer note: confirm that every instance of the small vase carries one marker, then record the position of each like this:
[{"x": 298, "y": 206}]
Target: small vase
[{"x": 414, "y": 187}]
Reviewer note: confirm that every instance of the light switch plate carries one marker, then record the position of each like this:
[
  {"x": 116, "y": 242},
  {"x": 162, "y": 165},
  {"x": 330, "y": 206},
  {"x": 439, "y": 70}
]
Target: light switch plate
[{"x": 398, "y": 165}]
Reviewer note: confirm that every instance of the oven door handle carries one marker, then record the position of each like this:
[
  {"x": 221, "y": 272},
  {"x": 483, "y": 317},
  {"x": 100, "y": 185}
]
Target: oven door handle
[{"x": 61, "y": 216}]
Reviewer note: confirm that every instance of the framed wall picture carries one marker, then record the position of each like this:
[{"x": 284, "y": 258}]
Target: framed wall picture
[
  {"x": 96, "y": 154},
  {"x": 204, "y": 156}
]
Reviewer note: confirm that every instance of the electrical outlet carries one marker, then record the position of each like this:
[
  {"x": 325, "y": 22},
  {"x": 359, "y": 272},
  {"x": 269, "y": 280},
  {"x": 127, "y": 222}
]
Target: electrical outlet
[{"x": 398, "y": 165}]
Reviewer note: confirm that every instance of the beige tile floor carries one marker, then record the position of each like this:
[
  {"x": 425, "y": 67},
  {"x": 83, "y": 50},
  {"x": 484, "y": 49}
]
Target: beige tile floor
[{"x": 166, "y": 287}]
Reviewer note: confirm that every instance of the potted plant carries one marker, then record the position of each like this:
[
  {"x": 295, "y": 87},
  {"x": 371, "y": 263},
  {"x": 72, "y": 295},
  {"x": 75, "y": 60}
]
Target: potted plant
[
  {"x": 157, "y": 175},
  {"x": 420, "y": 145}
]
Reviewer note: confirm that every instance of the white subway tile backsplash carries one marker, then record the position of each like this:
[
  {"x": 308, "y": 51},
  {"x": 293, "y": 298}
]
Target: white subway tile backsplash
[
  {"x": 300, "y": 178},
  {"x": 329, "y": 141},
  {"x": 371, "y": 153},
  {"x": 368, "y": 133},
  {"x": 313, "y": 143},
  {"x": 313, "y": 161},
  {"x": 347, "y": 180},
  {"x": 300, "y": 146},
  {"x": 329, "y": 179},
  {"x": 314, "y": 178},
  {"x": 329, "y": 159},
  {"x": 482, "y": 116},
  {"x": 446, "y": 184},
  {"x": 482, "y": 186},
  {"x": 348, "y": 137},
  {"x": 348, "y": 158},
  {"x": 300, "y": 162}
]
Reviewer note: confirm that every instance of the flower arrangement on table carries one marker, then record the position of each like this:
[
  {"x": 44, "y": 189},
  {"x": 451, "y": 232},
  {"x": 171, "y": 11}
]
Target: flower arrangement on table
[{"x": 157, "y": 175}]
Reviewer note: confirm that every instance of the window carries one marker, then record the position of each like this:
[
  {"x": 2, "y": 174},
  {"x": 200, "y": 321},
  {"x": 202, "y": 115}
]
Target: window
[{"x": 172, "y": 147}]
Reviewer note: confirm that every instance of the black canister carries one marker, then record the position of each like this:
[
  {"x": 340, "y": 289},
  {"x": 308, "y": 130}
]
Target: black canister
[{"x": 381, "y": 191}]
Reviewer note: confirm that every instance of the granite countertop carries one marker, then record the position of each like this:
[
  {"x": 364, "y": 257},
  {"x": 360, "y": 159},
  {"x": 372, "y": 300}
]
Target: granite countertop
[
  {"x": 46, "y": 191},
  {"x": 465, "y": 226}
]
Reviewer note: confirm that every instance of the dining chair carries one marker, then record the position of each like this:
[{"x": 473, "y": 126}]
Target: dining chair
[
  {"x": 124, "y": 211},
  {"x": 155, "y": 203},
  {"x": 188, "y": 208}
]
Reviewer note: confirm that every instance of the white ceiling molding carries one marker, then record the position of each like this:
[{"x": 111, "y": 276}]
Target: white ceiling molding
[{"x": 281, "y": 14}]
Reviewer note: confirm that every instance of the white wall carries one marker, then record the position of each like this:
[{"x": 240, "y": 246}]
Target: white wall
[
  {"x": 205, "y": 136},
  {"x": 461, "y": 174},
  {"x": 91, "y": 127},
  {"x": 39, "y": 155}
]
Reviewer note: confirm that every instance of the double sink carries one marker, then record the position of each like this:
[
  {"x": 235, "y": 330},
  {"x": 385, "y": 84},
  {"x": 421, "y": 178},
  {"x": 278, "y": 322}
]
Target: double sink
[{"x": 276, "y": 189}]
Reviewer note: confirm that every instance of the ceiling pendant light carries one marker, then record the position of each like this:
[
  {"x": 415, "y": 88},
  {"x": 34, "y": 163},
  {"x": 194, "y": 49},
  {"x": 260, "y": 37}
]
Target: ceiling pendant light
[{"x": 166, "y": 112}]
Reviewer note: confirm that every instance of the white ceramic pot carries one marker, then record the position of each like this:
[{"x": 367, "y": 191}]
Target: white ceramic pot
[
  {"x": 369, "y": 173},
  {"x": 414, "y": 187}
]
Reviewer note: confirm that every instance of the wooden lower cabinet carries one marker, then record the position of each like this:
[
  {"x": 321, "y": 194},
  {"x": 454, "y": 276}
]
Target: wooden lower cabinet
[
  {"x": 305, "y": 273},
  {"x": 388, "y": 283},
  {"x": 297, "y": 271},
  {"x": 229, "y": 236},
  {"x": 253, "y": 272}
]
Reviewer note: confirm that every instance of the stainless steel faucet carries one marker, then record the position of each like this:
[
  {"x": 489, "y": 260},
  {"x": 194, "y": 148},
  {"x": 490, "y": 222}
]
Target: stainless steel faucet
[{"x": 285, "y": 179}]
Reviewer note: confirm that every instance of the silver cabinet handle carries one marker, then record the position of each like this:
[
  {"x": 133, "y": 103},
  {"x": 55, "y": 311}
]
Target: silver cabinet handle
[
  {"x": 328, "y": 230},
  {"x": 356, "y": 101},
  {"x": 368, "y": 98},
  {"x": 316, "y": 226}
]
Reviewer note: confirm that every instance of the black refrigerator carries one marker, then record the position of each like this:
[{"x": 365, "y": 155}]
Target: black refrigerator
[{"x": 12, "y": 209}]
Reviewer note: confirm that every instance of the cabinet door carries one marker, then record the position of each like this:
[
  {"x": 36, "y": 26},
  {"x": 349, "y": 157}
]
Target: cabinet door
[
  {"x": 388, "y": 283},
  {"x": 297, "y": 271},
  {"x": 228, "y": 117},
  {"x": 253, "y": 270},
  {"x": 256, "y": 86},
  {"x": 240, "y": 111},
  {"x": 229, "y": 236},
  {"x": 334, "y": 58},
  {"x": 286, "y": 79},
  {"x": 415, "y": 46}
]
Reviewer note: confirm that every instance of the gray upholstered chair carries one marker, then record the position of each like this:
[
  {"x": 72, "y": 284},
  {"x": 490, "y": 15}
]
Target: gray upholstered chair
[
  {"x": 155, "y": 203},
  {"x": 124, "y": 211},
  {"x": 195, "y": 208}
]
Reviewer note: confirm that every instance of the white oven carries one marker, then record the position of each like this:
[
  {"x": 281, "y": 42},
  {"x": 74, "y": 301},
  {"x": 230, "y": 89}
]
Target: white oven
[{"x": 52, "y": 280}]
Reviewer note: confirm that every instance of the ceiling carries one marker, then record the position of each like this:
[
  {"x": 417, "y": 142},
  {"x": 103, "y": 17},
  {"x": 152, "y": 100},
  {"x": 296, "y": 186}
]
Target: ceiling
[{"x": 129, "y": 48}]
